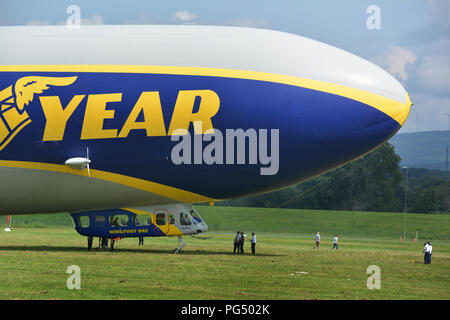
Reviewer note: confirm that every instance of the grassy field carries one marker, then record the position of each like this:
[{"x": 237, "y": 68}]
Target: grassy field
[
  {"x": 35, "y": 255},
  {"x": 328, "y": 223},
  {"x": 295, "y": 221}
]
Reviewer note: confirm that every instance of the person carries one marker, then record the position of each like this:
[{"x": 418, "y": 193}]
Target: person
[
  {"x": 113, "y": 242},
  {"x": 115, "y": 222},
  {"x": 431, "y": 252},
  {"x": 141, "y": 241},
  {"x": 427, "y": 252},
  {"x": 317, "y": 245},
  {"x": 241, "y": 242},
  {"x": 253, "y": 242},
  {"x": 335, "y": 242},
  {"x": 104, "y": 243},
  {"x": 236, "y": 242},
  {"x": 90, "y": 240}
]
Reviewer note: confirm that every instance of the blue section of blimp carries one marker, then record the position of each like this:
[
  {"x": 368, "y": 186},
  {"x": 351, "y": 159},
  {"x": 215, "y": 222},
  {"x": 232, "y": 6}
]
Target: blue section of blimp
[{"x": 318, "y": 131}]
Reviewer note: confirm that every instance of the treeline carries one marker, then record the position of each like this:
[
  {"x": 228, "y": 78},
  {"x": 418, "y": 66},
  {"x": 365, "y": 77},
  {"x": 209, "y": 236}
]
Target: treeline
[
  {"x": 373, "y": 183},
  {"x": 428, "y": 191}
]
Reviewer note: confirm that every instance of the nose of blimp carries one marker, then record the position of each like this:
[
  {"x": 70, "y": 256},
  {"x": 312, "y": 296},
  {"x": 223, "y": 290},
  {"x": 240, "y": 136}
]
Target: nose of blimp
[
  {"x": 374, "y": 107},
  {"x": 351, "y": 107},
  {"x": 336, "y": 71},
  {"x": 376, "y": 104},
  {"x": 406, "y": 109},
  {"x": 375, "y": 87},
  {"x": 379, "y": 91}
]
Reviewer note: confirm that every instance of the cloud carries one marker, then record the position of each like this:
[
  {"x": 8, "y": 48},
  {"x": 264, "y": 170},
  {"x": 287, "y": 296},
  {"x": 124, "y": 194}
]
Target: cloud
[
  {"x": 434, "y": 73},
  {"x": 429, "y": 86},
  {"x": 431, "y": 72},
  {"x": 425, "y": 74},
  {"x": 395, "y": 60},
  {"x": 184, "y": 17}
]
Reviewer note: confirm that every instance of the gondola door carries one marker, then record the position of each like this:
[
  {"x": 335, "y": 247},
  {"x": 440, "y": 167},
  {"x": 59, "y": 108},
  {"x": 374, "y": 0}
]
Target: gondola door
[{"x": 162, "y": 219}]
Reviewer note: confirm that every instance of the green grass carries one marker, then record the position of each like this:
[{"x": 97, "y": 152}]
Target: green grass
[
  {"x": 295, "y": 221},
  {"x": 33, "y": 261},
  {"x": 328, "y": 223}
]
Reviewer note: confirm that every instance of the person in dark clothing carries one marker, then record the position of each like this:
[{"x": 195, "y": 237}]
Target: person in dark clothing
[
  {"x": 241, "y": 243},
  {"x": 431, "y": 252},
  {"x": 104, "y": 243},
  {"x": 236, "y": 242},
  {"x": 141, "y": 241},
  {"x": 90, "y": 240},
  {"x": 115, "y": 222}
]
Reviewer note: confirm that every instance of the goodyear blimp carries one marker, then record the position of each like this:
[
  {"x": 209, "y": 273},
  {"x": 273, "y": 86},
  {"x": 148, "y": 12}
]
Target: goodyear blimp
[{"x": 126, "y": 126}]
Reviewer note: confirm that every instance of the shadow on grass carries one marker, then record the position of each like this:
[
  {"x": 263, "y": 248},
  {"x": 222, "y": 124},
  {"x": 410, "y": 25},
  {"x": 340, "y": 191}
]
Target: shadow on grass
[{"x": 124, "y": 250}]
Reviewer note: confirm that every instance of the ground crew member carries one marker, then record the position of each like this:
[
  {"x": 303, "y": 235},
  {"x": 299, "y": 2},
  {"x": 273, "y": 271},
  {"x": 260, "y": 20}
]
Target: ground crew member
[
  {"x": 236, "y": 242},
  {"x": 253, "y": 242},
  {"x": 317, "y": 245},
  {"x": 335, "y": 242}
]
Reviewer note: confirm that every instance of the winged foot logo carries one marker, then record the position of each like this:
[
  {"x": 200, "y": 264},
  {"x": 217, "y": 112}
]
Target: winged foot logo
[{"x": 14, "y": 99}]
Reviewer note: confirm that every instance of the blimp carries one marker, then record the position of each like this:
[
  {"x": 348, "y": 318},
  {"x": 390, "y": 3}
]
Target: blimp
[{"x": 125, "y": 127}]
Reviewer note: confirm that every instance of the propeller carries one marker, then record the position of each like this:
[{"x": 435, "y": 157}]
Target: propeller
[
  {"x": 88, "y": 162},
  {"x": 80, "y": 163}
]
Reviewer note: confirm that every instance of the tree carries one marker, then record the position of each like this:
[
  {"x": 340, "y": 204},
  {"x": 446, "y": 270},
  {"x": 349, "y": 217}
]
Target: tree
[{"x": 371, "y": 183}]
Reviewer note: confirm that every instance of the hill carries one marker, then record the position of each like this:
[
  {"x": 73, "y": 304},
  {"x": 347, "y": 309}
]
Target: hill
[{"x": 422, "y": 149}]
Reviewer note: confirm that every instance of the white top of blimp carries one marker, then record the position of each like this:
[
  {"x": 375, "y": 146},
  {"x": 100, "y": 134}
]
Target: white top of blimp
[{"x": 235, "y": 48}]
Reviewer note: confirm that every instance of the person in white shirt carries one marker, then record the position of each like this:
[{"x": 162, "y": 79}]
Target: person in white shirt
[
  {"x": 317, "y": 241},
  {"x": 335, "y": 242},
  {"x": 427, "y": 250},
  {"x": 253, "y": 242}
]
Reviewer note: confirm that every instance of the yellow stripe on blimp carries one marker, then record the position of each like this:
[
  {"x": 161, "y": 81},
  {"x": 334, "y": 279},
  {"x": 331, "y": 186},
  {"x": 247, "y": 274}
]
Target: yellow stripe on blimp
[
  {"x": 152, "y": 187},
  {"x": 396, "y": 110}
]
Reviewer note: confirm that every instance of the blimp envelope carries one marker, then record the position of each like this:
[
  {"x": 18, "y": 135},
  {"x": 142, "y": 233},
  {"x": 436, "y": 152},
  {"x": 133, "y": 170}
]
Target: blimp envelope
[{"x": 328, "y": 105}]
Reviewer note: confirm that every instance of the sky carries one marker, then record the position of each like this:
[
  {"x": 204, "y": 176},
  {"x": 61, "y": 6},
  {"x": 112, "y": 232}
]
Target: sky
[{"x": 408, "y": 38}]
